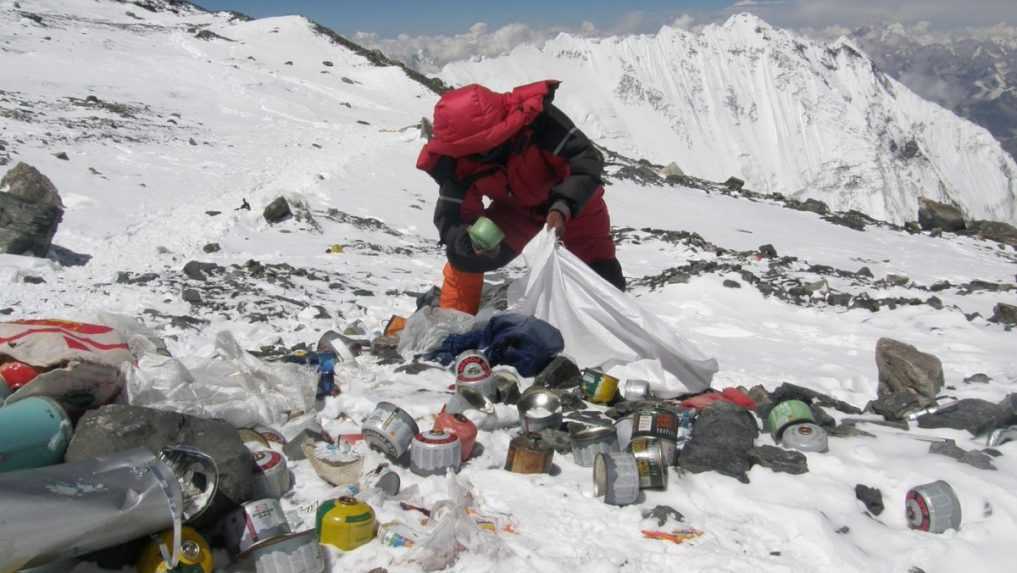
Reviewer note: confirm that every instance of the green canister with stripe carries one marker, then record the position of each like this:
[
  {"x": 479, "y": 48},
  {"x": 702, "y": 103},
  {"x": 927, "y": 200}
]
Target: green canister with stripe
[
  {"x": 34, "y": 433},
  {"x": 786, "y": 414}
]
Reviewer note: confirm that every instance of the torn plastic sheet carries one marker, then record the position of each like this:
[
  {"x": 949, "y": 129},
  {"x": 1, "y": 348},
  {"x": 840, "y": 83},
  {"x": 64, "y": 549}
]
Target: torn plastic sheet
[
  {"x": 68, "y": 510},
  {"x": 602, "y": 326},
  {"x": 231, "y": 384}
]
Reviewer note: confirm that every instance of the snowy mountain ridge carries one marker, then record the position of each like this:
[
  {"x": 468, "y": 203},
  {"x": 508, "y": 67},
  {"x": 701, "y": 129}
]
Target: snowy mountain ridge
[{"x": 779, "y": 110}]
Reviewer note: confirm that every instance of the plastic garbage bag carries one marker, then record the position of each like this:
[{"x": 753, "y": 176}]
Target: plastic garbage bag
[
  {"x": 601, "y": 325},
  {"x": 231, "y": 384},
  {"x": 457, "y": 532},
  {"x": 427, "y": 328}
]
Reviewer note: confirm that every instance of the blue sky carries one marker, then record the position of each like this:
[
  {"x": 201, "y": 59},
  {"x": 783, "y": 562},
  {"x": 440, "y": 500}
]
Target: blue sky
[{"x": 427, "y": 17}]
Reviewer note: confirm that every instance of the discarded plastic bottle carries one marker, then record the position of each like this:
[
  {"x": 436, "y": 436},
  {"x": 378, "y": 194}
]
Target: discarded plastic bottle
[{"x": 326, "y": 375}]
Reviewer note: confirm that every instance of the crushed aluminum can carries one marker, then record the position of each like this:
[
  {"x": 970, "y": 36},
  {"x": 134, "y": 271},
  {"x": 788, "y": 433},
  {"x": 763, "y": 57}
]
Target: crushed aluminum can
[
  {"x": 382, "y": 479},
  {"x": 71, "y": 498},
  {"x": 529, "y": 453},
  {"x": 805, "y": 437},
  {"x": 590, "y": 441},
  {"x": 932, "y": 507},
  {"x": 634, "y": 390},
  {"x": 434, "y": 453},
  {"x": 273, "y": 476},
  {"x": 390, "y": 430},
  {"x": 650, "y": 460},
  {"x": 292, "y": 553},
  {"x": 473, "y": 375},
  {"x": 253, "y": 523},
  {"x": 1000, "y": 436},
  {"x": 661, "y": 425},
  {"x": 616, "y": 478},
  {"x": 539, "y": 410}
]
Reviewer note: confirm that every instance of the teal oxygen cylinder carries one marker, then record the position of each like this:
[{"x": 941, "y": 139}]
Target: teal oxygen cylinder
[{"x": 34, "y": 433}]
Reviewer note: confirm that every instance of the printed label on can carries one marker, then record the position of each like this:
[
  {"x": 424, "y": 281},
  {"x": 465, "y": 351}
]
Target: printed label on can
[
  {"x": 473, "y": 368},
  {"x": 267, "y": 460}
]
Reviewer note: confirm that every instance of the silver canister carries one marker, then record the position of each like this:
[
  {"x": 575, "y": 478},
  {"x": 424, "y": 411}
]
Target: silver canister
[
  {"x": 649, "y": 456},
  {"x": 291, "y": 553},
  {"x": 390, "y": 429},
  {"x": 933, "y": 507},
  {"x": 473, "y": 375},
  {"x": 636, "y": 390},
  {"x": 51, "y": 513},
  {"x": 661, "y": 425},
  {"x": 539, "y": 409},
  {"x": 382, "y": 479},
  {"x": 272, "y": 478},
  {"x": 589, "y": 441},
  {"x": 434, "y": 453},
  {"x": 616, "y": 478},
  {"x": 253, "y": 523},
  {"x": 806, "y": 437}
]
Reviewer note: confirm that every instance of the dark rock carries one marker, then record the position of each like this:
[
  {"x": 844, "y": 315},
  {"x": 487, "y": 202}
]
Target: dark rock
[
  {"x": 973, "y": 458},
  {"x": 278, "y": 210},
  {"x": 288, "y": 63},
  {"x": 788, "y": 391},
  {"x": 871, "y": 497},
  {"x": 209, "y": 35},
  {"x": 62, "y": 156},
  {"x": 212, "y": 248},
  {"x": 732, "y": 284},
  {"x": 663, "y": 514},
  {"x": 768, "y": 251},
  {"x": 30, "y": 212},
  {"x": 995, "y": 231},
  {"x": 327, "y": 64},
  {"x": 940, "y": 286},
  {"x": 842, "y": 530},
  {"x": 213, "y": 213},
  {"x": 934, "y": 215},
  {"x": 897, "y": 406},
  {"x": 192, "y": 296},
  {"x": 912, "y": 227},
  {"x": 814, "y": 206},
  {"x": 33, "y": 280},
  {"x": 851, "y": 219},
  {"x": 386, "y": 348},
  {"x": 992, "y": 452},
  {"x": 200, "y": 271},
  {"x": 779, "y": 459},
  {"x": 935, "y": 302},
  {"x": 979, "y": 378},
  {"x": 323, "y": 312},
  {"x": 362, "y": 292},
  {"x": 734, "y": 184},
  {"x": 721, "y": 439},
  {"x": 429, "y": 298},
  {"x": 897, "y": 280},
  {"x": 191, "y": 141},
  {"x": 972, "y": 414},
  {"x": 848, "y": 429},
  {"x": 822, "y": 418},
  {"x": 560, "y": 373},
  {"x": 904, "y": 369},
  {"x": 864, "y": 272},
  {"x": 838, "y": 299},
  {"x": 120, "y": 427},
  {"x": 1004, "y": 314}
]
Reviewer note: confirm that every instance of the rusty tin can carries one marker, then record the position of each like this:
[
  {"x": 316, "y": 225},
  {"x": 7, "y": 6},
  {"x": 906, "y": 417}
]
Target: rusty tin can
[
  {"x": 661, "y": 425},
  {"x": 529, "y": 453}
]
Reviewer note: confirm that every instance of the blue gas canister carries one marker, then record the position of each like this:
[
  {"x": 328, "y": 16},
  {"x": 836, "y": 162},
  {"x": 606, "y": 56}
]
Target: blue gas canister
[{"x": 34, "y": 432}]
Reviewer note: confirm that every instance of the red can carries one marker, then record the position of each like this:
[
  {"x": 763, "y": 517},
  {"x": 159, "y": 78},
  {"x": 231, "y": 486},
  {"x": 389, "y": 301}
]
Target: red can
[
  {"x": 462, "y": 427},
  {"x": 17, "y": 374}
]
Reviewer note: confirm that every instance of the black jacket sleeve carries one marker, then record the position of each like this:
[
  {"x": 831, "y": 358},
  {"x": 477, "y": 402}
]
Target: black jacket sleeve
[
  {"x": 554, "y": 132},
  {"x": 452, "y": 230}
]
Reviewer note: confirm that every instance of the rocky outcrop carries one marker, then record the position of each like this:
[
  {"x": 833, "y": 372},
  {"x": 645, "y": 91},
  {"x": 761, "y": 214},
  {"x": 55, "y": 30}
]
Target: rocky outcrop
[
  {"x": 905, "y": 369},
  {"x": 30, "y": 211},
  {"x": 933, "y": 215}
]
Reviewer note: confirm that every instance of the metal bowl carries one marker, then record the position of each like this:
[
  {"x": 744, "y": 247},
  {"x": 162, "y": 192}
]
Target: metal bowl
[{"x": 539, "y": 409}]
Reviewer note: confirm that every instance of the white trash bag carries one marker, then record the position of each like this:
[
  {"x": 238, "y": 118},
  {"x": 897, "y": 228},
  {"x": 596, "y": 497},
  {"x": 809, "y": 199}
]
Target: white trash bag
[{"x": 602, "y": 326}]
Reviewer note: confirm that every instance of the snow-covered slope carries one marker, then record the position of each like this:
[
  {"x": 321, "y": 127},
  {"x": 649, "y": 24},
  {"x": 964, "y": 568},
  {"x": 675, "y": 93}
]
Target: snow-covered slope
[
  {"x": 781, "y": 111},
  {"x": 142, "y": 200}
]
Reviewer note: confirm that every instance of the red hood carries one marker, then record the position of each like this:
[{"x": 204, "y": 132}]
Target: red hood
[{"x": 474, "y": 119}]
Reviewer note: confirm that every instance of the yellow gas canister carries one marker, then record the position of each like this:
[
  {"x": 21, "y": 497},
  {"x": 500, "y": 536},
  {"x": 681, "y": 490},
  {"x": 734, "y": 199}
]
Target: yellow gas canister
[
  {"x": 346, "y": 523},
  {"x": 195, "y": 554}
]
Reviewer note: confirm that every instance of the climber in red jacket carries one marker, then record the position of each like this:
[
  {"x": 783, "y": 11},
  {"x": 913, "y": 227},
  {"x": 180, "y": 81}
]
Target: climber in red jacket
[{"x": 534, "y": 166}]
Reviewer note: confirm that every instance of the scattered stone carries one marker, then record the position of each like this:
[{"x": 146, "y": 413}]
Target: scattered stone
[
  {"x": 789, "y": 391},
  {"x": 979, "y": 378},
  {"x": 768, "y": 251},
  {"x": 278, "y": 210},
  {"x": 734, "y": 184},
  {"x": 120, "y": 427},
  {"x": 33, "y": 280},
  {"x": 972, "y": 458},
  {"x": 779, "y": 460},
  {"x": 940, "y": 286},
  {"x": 559, "y": 374},
  {"x": 912, "y": 227},
  {"x": 851, "y": 219},
  {"x": 199, "y": 271},
  {"x": 934, "y": 215},
  {"x": 663, "y": 514},
  {"x": 327, "y": 64},
  {"x": 972, "y": 414},
  {"x": 732, "y": 284},
  {"x": 896, "y": 407},
  {"x": 721, "y": 439},
  {"x": 211, "y": 248},
  {"x": 843, "y": 530},
  {"x": 62, "y": 156},
  {"x": 838, "y": 299},
  {"x": 1004, "y": 314},
  {"x": 288, "y": 63},
  {"x": 864, "y": 272},
  {"x": 209, "y": 35},
  {"x": 897, "y": 280},
  {"x": 362, "y": 122},
  {"x": 904, "y": 369},
  {"x": 386, "y": 348},
  {"x": 935, "y": 302},
  {"x": 192, "y": 296},
  {"x": 871, "y": 497},
  {"x": 1004, "y": 233},
  {"x": 191, "y": 141},
  {"x": 813, "y": 206},
  {"x": 213, "y": 213},
  {"x": 30, "y": 212},
  {"x": 848, "y": 429}
]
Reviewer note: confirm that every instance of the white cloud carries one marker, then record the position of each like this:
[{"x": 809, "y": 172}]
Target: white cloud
[
  {"x": 823, "y": 13},
  {"x": 684, "y": 21}
]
